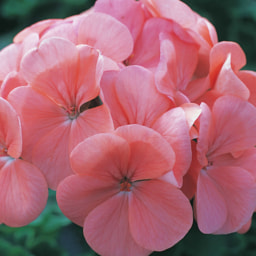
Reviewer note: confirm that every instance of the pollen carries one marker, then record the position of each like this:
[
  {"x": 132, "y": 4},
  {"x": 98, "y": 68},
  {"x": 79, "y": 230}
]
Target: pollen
[
  {"x": 125, "y": 184},
  {"x": 72, "y": 112}
]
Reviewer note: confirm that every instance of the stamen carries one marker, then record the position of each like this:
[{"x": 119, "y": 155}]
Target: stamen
[{"x": 125, "y": 184}]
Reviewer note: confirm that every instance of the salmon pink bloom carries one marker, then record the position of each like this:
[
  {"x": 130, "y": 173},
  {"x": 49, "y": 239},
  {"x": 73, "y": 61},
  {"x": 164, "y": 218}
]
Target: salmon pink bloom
[
  {"x": 202, "y": 31},
  {"x": 11, "y": 56},
  {"x": 60, "y": 107},
  {"x": 118, "y": 197},
  {"x": 225, "y": 196},
  {"x": 24, "y": 189},
  {"x": 94, "y": 29},
  {"x": 225, "y": 76},
  {"x": 130, "y": 13},
  {"x": 132, "y": 98}
]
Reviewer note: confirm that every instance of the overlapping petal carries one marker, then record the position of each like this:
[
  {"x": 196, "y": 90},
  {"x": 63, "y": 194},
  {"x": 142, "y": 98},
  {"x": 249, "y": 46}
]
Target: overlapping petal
[
  {"x": 24, "y": 193},
  {"x": 158, "y": 224}
]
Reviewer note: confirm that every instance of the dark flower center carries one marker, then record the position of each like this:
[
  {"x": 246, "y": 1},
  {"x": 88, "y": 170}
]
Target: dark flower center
[
  {"x": 125, "y": 184},
  {"x": 73, "y": 112}
]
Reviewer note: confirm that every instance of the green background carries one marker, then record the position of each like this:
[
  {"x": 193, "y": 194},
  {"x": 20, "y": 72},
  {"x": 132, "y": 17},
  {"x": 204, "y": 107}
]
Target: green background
[{"x": 54, "y": 235}]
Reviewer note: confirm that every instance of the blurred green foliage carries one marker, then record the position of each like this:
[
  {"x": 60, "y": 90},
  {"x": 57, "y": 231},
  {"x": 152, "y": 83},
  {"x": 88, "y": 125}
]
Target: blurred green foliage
[{"x": 52, "y": 234}]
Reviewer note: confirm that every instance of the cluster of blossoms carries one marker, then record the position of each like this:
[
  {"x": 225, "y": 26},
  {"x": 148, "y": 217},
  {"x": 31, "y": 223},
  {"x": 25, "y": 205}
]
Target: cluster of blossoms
[{"x": 130, "y": 111}]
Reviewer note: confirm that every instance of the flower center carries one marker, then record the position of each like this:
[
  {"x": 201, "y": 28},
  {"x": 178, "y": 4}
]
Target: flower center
[
  {"x": 3, "y": 150},
  {"x": 125, "y": 184},
  {"x": 72, "y": 112}
]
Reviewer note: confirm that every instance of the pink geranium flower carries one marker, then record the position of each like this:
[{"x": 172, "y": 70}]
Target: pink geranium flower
[
  {"x": 133, "y": 98},
  {"x": 94, "y": 29},
  {"x": 198, "y": 27},
  {"x": 24, "y": 190},
  {"x": 57, "y": 108},
  {"x": 225, "y": 77},
  {"x": 223, "y": 168},
  {"x": 117, "y": 196}
]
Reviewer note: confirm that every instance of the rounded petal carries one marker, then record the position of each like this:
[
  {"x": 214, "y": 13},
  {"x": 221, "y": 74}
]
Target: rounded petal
[
  {"x": 145, "y": 54},
  {"x": 89, "y": 74},
  {"x": 205, "y": 133},
  {"x": 50, "y": 53},
  {"x": 39, "y": 115},
  {"x": 158, "y": 224},
  {"x": 248, "y": 77},
  {"x": 92, "y": 121},
  {"x": 107, "y": 231},
  {"x": 172, "y": 125},
  {"x": 172, "y": 9},
  {"x": 210, "y": 206},
  {"x": 102, "y": 155},
  {"x": 99, "y": 29},
  {"x": 111, "y": 99},
  {"x": 78, "y": 195},
  {"x": 178, "y": 60},
  {"x": 11, "y": 81},
  {"x": 10, "y": 132},
  {"x": 236, "y": 192},
  {"x": 151, "y": 155},
  {"x": 138, "y": 97},
  {"x": 130, "y": 14},
  {"x": 228, "y": 82},
  {"x": 234, "y": 126},
  {"x": 51, "y": 155},
  {"x": 24, "y": 193},
  {"x": 218, "y": 56}
]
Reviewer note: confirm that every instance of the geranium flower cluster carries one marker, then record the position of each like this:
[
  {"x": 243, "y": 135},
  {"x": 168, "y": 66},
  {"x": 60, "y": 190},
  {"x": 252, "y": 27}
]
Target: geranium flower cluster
[{"x": 131, "y": 111}]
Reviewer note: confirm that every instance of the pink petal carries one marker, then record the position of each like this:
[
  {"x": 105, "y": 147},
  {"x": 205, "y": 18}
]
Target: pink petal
[
  {"x": 78, "y": 195},
  {"x": 197, "y": 88},
  {"x": 98, "y": 30},
  {"x": 107, "y": 231},
  {"x": 158, "y": 224},
  {"x": 148, "y": 54},
  {"x": 10, "y": 132},
  {"x": 11, "y": 81},
  {"x": 10, "y": 59},
  {"x": 190, "y": 178},
  {"x": 205, "y": 134},
  {"x": 211, "y": 207},
  {"x": 246, "y": 160},
  {"x": 102, "y": 155},
  {"x": 219, "y": 53},
  {"x": 151, "y": 155},
  {"x": 245, "y": 228},
  {"x": 172, "y": 9},
  {"x": 50, "y": 53},
  {"x": 89, "y": 74},
  {"x": 178, "y": 60},
  {"x": 23, "y": 194},
  {"x": 39, "y": 115},
  {"x": 238, "y": 189},
  {"x": 90, "y": 122},
  {"x": 235, "y": 126},
  {"x": 130, "y": 14},
  {"x": 228, "y": 82},
  {"x": 138, "y": 96},
  {"x": 173, "y": 127},
  {"x": 111, "y": 98},
  {"x": 192, "y": 112},
  {"x": 63, "y": 30},
  {"x": 51, "y": 155},
  {"x": 249, "y": 79}
]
